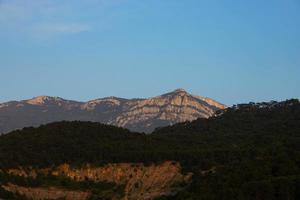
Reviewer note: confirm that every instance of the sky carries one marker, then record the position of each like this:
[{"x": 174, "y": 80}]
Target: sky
[{"x": 234, "y": 51}]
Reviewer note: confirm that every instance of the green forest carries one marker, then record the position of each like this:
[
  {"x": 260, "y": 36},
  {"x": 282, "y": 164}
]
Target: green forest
[{"x": 250, "y": 151}]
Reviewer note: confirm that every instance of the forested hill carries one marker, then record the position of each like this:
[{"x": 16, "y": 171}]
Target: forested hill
[
  {"x": 249, "y": 151},
  {"x": 81, "y": 142},
  {"x": 267, "y": 117}
]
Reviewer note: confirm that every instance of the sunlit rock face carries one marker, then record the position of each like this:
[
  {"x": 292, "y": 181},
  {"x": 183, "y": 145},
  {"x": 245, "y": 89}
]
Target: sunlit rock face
[
  {"x": 143, "y": 115},
  {"x": 45, "y": 193},
  {"x": 167, "y": 109},
  {"x": 140, "y": 182}
]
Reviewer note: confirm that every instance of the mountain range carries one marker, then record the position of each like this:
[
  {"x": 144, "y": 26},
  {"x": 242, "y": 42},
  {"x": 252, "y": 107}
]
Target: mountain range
[
  {"x": 141, "y": 115},
  {"x": 245, "y": 152}
]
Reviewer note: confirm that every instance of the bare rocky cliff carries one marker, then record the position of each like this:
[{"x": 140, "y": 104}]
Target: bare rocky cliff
[
  {"x": 45, "y": 193},
  {"x": 143, "y": 115},
  {"x": 140, "y": 182}
]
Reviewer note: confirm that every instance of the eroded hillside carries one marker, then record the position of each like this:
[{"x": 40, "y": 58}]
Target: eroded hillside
[{"x": 128, "y": 181}]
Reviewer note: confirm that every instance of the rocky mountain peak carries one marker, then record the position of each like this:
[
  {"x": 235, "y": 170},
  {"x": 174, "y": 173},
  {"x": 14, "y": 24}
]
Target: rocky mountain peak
[
  {"x": 180, "y": 90},
  {"x": 40, "y": 100},
  {"x": 143, "y": 115},
  {"x": 177, "y": 92}
]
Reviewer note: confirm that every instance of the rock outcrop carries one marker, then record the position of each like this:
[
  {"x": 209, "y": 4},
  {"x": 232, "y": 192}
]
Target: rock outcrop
[
  {"x": 45, "y": 193},
  {"x": 142, "y": 115},
  {"x": 141, "y": 182}
]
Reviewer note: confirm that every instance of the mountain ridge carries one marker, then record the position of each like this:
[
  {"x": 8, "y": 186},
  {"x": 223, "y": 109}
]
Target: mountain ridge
[{"x": 137, "y": 114}]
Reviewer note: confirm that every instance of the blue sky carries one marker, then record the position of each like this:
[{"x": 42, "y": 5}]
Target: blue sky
[{"x": 233, "y": 51}]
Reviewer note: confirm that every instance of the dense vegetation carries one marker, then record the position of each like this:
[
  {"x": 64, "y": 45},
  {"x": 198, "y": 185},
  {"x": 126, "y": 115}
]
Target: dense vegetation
[{"x": 249, "y": 151}]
